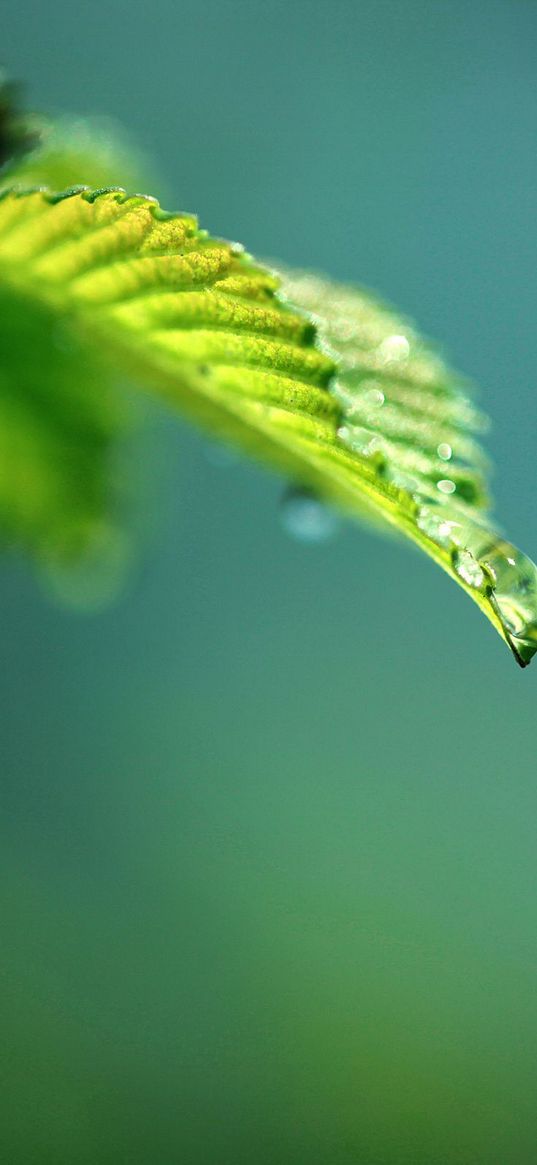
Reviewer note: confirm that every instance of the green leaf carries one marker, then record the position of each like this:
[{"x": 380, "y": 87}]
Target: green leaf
[{"x": 322, "y": 381}]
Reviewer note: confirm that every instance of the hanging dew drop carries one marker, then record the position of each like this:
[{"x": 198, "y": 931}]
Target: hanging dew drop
[
  {"x": 514, "y": 579},
  {"x": 307, "y": 519},
  {"x": 512, "y": 615}
]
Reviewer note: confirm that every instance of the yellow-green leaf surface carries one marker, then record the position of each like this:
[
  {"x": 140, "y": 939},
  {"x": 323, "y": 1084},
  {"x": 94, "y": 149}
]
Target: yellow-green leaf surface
[{"x": 322, "y": 381}]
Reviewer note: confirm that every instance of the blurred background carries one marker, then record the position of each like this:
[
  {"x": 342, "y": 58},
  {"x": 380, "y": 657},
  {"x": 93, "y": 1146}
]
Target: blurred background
[{"x": 269, "y": 861}]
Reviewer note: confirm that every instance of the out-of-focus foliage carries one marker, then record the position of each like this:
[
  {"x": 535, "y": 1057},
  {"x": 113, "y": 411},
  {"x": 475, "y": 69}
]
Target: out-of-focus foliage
[
  {"x": 61, "y": 419},
  {"x": 18, "y": 133},
  {"x": 92, "y": 150}
]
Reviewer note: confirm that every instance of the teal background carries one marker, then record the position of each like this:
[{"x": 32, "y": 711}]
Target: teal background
[{"x": 269, "y": 884}]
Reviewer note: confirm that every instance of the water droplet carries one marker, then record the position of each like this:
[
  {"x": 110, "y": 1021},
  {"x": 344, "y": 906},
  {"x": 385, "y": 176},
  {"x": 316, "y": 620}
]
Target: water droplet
[
  {"x": 438, "y": 527},
  {"x": 446, "y": 485},
  {"x": 306, "y": 518},
  {"x": 513, "y": 618},
  {"x": 394, "y": 348},
  {"x": 514, "y": 578},
  {"x": 445, "y": 452},
  {"x": 465, "y": 565},
  {"x": 404, "y": 481},
  {"x": 363, "y": 441},
  {"x": 374, "y": 396}
]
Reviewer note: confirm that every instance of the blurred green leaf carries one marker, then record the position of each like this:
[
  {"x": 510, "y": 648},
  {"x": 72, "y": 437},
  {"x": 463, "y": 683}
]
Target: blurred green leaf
[
  {"x": 19, "y": 132},
  {"x": 95, "y": 150}
]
